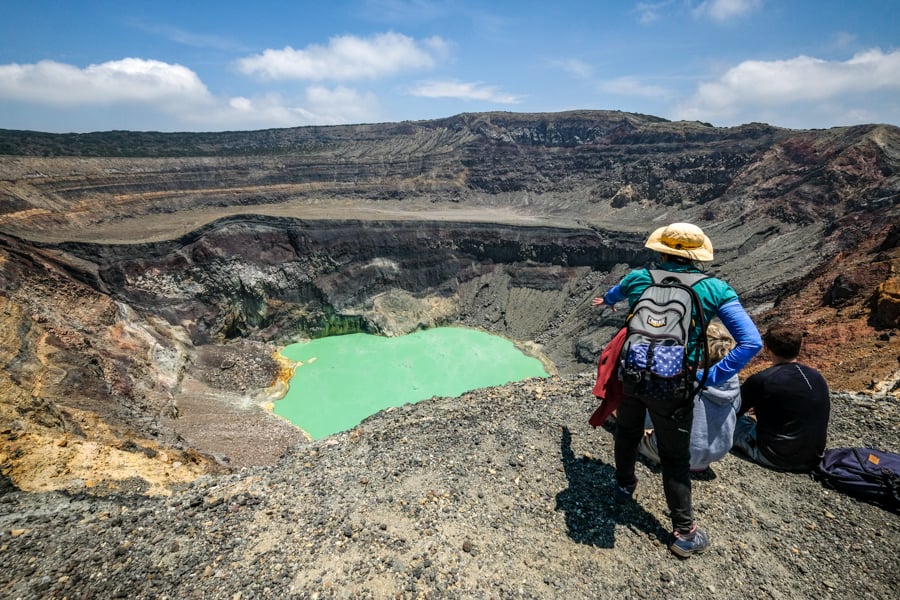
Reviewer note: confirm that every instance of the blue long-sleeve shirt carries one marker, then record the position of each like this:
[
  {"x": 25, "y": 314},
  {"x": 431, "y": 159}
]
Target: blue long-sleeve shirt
[{"x": 717, "y": 300}]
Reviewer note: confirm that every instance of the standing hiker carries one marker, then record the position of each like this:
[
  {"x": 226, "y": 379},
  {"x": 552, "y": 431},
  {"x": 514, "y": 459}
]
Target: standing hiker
[{"x": 680, "y": 247}]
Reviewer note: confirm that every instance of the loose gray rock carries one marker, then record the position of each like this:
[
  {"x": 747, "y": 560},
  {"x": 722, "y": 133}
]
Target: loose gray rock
[{"x": 500, "y": 493}]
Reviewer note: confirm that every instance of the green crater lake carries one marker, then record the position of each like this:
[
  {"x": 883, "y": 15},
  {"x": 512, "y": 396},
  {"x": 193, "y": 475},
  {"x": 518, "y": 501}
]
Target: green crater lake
[{"x": 341, "y": 380}]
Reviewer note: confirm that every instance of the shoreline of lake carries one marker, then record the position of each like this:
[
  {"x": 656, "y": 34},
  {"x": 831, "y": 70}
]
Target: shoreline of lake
[{"x": 375, "y": 372}]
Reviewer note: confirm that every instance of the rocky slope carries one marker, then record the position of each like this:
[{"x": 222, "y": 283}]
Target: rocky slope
[
  {"x": 146, "y": 281},
  {"x": 503, "y": 493}
]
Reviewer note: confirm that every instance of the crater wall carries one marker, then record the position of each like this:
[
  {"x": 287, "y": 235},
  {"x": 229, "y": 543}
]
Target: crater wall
[{"x": 278, "y": 280}]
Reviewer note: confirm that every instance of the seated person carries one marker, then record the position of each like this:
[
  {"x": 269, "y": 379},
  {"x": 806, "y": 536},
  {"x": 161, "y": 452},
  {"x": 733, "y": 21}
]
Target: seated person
[
  {"x": 715, "y": 410},
  {"x": 791, "y": 406}
]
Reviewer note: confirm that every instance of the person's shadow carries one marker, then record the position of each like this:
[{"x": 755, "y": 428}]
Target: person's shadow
[{"x": 589, "y": 505}]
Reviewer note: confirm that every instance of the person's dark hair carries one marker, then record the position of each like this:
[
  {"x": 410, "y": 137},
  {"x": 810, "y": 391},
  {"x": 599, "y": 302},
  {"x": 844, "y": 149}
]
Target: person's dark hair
[
  {"x": 783, "y": 341},
  {"x": 680, "y": 260}
]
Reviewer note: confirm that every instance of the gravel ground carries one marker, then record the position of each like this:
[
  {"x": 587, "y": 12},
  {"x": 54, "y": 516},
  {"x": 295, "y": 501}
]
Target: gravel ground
[{"x": 500, "y": 493}]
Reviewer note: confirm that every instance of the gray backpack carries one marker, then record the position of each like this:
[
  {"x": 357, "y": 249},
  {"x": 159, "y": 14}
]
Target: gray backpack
[{"x": 662, "y": 349}]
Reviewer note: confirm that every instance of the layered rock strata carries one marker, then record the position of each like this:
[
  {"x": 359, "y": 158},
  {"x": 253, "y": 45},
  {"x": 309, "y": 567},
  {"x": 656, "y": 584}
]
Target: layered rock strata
[{"x": 148, "y": 279}]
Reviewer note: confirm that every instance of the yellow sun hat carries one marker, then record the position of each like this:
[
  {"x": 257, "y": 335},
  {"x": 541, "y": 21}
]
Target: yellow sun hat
[{"x": 681, "y": 239}]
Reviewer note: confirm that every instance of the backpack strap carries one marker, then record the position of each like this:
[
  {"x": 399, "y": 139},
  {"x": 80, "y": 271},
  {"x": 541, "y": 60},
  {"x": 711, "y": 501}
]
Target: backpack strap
[
  {"x": 891, "y": 482},
  {"x": 702, "y": 343},
  {"x": 687, "y": 278}
]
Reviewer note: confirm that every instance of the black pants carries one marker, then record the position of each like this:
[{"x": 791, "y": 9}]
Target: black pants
[{"x": 672, "y": 425}]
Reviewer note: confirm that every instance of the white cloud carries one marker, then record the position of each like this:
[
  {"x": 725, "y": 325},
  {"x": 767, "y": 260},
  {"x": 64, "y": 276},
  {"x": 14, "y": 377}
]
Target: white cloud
[
  {"x": 187, "y": 38},
  {"x": 341, "y": 105},
  {"x": 393, "y": 11},
  {"x": 574, "y": 67},
  {"x": 176, "y": 95},
  {"x": 631, "y": 86},
  {"x": 726, "y": 10},
  {"x": 240, "y": 112},
  {"x": 320, "y": 106},
  {"x": 347, "y": 58},
  {"x": 753, "y": 87},
  {"x": 130, "y": 80},
  {"x": 462, "y": 90},
  {"x": 650, "y": 12},
  {"x": 842, "y": 39}
]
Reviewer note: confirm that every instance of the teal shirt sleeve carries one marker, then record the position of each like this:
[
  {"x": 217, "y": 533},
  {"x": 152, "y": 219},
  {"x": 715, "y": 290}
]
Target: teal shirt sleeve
[
  {"x": 714, "y": 293},
  {"x": 630, "y": 288}
]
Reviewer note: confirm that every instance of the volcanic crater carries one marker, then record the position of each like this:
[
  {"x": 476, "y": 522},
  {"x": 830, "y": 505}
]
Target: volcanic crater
[{"x": 149, "y": 279}]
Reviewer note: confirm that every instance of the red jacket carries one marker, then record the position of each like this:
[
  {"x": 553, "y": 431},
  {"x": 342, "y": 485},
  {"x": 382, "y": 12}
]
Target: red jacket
[{"x": 608, "y": 387}]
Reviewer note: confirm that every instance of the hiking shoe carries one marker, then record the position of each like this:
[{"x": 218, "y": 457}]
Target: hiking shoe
[
  {"x": 624, "y": 494},
  {"x": 706, "y": 474},
  {"x": 686, "y": 545}
]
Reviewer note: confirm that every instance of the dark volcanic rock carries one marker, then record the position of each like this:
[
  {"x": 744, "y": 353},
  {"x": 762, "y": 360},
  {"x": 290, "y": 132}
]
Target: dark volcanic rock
[{"x": 248, "y": 277}]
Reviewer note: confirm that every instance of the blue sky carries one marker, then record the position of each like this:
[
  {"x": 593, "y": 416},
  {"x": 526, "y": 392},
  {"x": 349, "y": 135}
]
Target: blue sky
[{"x": 198, "y": 65}]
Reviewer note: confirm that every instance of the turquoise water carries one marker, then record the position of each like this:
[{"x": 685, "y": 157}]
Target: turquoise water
[{"x": 341, "y": 380}]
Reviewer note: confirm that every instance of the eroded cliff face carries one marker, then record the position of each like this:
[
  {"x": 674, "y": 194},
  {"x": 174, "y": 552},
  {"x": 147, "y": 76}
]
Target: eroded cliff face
[
  {"x": 86, "y": 383},
  {"x": 281, "y": 279},
  {"x": 148, "y": 279}
]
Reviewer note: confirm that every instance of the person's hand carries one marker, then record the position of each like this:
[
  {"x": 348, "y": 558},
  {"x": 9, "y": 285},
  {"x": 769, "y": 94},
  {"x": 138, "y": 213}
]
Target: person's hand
[{"x": 601, "y": 302}]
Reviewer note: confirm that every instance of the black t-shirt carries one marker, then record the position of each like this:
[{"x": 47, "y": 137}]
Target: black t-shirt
[{"x": 792, "y": 407}]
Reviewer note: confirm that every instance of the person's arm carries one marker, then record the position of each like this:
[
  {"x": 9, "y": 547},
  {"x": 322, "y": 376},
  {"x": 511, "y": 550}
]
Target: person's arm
[
  {"x": 613, "y": 296},
  {"x": 746, "y": 336},
  {"x": 749, "y": 393},
  {"x": 621, "y": 290}
]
